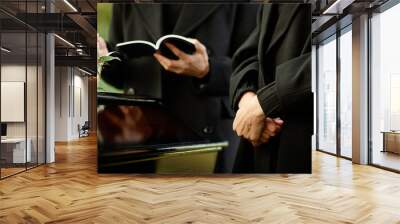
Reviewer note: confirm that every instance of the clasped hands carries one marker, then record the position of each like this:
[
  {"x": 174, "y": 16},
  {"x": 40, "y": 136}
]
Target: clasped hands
[{"x": 252, "y": 124}]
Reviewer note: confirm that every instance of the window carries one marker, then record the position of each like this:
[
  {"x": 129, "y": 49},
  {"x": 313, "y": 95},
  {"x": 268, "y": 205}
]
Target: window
[
  {"x": 385, "y": 88},
  {"x": 327, "y": 95},
  {"x": 14, "y": 151},
  {"x": 346, "y": 92},
  {"x": 22, "y": 96},
  {"x": 314, "y": 90}
]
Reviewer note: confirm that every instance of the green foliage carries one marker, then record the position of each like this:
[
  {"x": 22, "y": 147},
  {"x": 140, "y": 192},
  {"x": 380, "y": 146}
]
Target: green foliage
[
  {"x": 106, "y": 58},
  {"x": 104, "y": 13},
  {"x": 103, "y": 86},
  {"x": 103, "y": 60}
]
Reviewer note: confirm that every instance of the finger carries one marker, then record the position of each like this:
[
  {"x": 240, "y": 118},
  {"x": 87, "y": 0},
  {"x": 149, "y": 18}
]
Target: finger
[
  {"x": 242, "y": 128},
  {"x": 277, "y": 124},
  {"x": 199, "y": 46},
  {"x": 238, "y": 123},
  {"x": 101, "y": 41},
  {"x": 165, "y": 62},
  {"x": 193, "y": 41},
  {"x": 175, "y": 66},
  {"x": 264, "y": 139},
  {"x": 235, "y": 121},
  {"x": 278, "y": 128},
  {"x": 236, "y": 127},
  {"x": 252, "y": 127},
  {"x": 98, "y": 42},
  {"x": 250, "y": 133},
  {"x": 268, "y": 130},
  {"x": 256, "y": 130},
  {"x": 266, "y": 135},
  {"x": 278, "y": 121},
  {"x": 271, "y": 126},
  {"x": 102, "y": 44},
  {"x": 235, "y": 124},
  {"x": 202, "y": 50},
  {"x": 177, "y": 52},
  {"x": 247, "y": 131}
]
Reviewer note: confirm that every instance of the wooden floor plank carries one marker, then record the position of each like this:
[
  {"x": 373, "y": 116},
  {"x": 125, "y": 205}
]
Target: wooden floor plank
[{"x": 70, "y": 191}]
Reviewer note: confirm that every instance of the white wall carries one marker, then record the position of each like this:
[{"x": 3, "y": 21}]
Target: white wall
[
  {"x": 80, "y": 102},
  {"x": 61, "y": 103},
  {"x": 33, "y": 126},
  {"x": 16, "y": 73},
  {"x": 71, "y": 94}
]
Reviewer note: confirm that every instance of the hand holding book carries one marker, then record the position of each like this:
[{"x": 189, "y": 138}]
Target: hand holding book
[
  {"x": 141, "y": 48},
  {"x": 195, "y": 64},
  {"x": 177, "y": 54}
]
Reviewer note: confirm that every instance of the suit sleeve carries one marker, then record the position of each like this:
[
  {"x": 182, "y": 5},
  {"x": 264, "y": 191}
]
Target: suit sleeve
[
  {"x": 246, "y": 68},
  {"x": 113, "y": 71},
  {"x": 216, "y": 83},
  {"x": 290, "y": 93}
]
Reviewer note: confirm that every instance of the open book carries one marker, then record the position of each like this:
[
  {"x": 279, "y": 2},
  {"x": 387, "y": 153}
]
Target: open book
[{"x": 140, "y": 48}]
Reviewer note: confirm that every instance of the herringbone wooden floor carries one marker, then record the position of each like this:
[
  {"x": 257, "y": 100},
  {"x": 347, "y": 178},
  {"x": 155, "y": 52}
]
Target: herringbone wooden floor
[{"x": 70, "y": 191}]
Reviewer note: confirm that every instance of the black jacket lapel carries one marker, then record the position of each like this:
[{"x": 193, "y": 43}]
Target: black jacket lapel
[
  {"x": 151, "y": 16},
  {"x": 264, "y": 22},
  {"x": 192, "y": 16},
  {"x": 283, "y": 24}
]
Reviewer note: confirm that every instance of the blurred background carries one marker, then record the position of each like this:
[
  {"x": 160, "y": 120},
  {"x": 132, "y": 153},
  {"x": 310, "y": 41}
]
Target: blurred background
[{"x": 104, "y": 12}]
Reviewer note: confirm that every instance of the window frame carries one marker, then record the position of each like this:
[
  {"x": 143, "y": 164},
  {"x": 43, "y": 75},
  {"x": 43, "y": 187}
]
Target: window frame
[
  {"x": 378, "y": 10},
  {"x": 334, "y": 37}
]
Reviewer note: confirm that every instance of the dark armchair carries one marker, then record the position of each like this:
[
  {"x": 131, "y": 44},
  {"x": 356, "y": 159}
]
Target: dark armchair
[{"x": 84, "y": 129}]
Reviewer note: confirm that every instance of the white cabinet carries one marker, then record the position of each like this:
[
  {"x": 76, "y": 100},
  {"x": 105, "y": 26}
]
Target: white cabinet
[{"x": 17, "y": 147}]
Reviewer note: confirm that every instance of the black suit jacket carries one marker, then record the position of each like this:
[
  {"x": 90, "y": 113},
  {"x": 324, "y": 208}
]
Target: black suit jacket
[
  {"x": 222, "y": 28},
  {"x": 275, "y": 62}
]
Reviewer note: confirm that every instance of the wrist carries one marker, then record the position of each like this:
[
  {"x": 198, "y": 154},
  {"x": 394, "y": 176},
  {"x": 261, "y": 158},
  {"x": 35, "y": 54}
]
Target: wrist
[
  {"x": 204, "y": 72},
  {"x": 257, "y": 106},
  {"x": 246, "y": 97}
]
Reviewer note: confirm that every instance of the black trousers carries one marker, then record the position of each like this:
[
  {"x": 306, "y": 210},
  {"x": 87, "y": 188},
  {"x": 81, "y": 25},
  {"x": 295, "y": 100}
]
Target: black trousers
[{"x": 289, "y": 152}]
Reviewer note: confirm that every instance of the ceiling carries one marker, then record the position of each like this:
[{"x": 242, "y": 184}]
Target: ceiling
[{"x": 75, "y": 21}]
